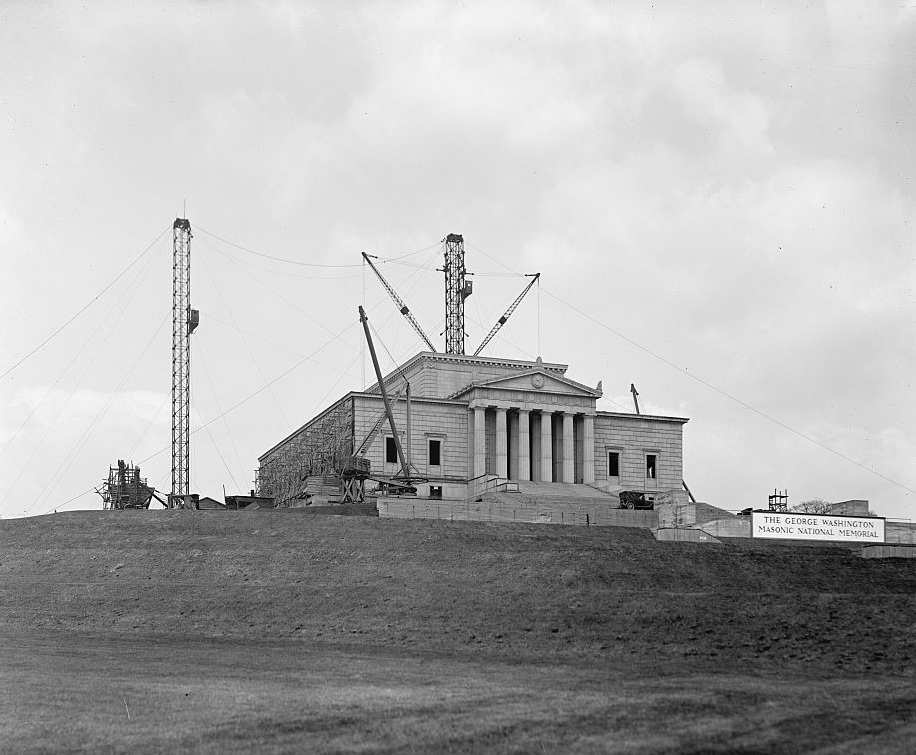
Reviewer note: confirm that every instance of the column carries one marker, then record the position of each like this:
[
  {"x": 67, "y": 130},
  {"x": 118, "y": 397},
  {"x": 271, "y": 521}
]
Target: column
[
  {"x": 502, "y": 448},
  {"x": 512, "y": 436},
  {"x": 546, "y": 447},
  {"x": 480, "y": 441},
  {"x": 569, "y": 457},
  {"x": 524, "y": 445},
  {"x": 588, "y": 449}
]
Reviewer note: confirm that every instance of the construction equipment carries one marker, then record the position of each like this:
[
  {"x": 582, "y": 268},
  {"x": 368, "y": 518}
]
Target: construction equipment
[
  {"x": 457, "y": 289},
  {"x": 507, "y": 314},
  {"x": 779, "y": 500},
  {"x": 635, "y": 396},
  {"x": 125, "y": 489},
  {"x": 405, "y": 476},
  {"x": 379, "y": 420},
  {"x": 404, "y": 309},
  {"x": 184, "y": 321}
]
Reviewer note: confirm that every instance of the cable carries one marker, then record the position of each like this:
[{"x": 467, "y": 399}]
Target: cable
[
  {"x": 77, "y": 447},
  {"x": 497, "y": 261},
  {"x": 57, "y": 506},
  {"x": 238, "y": 459},
  {"x": 703, "y": 382},
  {"x": 727, "y": 395},
  {"x": 270, "y": 290},
  {"x": 86, "y": 306},
  {"x": 396, "y": 363},
  {"x": 214, "y": 318},
  {"x": 260, "y": 390},
  {"x": 153, "y": 418},
  {"x": 434, "y": 245},
  {"x": 222, "y": 458},
  {"x": 112, "y": 321},
  {"x": 271, "y": 256}
]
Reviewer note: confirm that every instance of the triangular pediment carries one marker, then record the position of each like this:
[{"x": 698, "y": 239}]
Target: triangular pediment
[{"x": 536, "y": 379}]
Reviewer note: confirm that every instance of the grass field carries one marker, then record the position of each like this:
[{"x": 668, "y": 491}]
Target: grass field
[{"x": 277, "y": 632}]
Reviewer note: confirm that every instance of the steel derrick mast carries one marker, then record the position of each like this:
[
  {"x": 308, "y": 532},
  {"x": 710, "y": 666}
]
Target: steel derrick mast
[
  {"x": 457, "y": 289},
  {"x": 184, "y": 321}
]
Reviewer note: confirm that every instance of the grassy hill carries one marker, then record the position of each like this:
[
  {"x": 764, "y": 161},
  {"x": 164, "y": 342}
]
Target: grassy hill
[{"x": 514, "y": 592}]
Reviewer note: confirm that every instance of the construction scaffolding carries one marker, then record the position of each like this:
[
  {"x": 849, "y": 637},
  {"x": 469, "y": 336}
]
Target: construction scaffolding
[
  {"x": 125, "y": 489},
  {"x": 323, "y": 447}
]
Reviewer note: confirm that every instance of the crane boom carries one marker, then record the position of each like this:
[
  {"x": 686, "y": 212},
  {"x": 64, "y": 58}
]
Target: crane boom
[
  {"x": 381, "y": 384},
  {"x": 405, "y": 310},
  {"x": 502, "y": 320}
]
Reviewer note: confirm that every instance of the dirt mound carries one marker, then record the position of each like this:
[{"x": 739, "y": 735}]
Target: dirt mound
[{"x": 516, "y": 591}]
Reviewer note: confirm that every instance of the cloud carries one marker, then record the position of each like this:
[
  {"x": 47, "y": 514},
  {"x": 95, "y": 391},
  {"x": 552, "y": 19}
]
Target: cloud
[{"x": 730, "y": 190}]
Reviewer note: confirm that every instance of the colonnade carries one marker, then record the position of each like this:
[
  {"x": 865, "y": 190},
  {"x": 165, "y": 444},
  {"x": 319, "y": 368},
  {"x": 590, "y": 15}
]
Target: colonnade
[{"x": 524, "y": 447}]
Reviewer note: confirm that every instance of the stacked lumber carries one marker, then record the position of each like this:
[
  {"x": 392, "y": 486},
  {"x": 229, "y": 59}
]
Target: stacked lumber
[{"x": 321, "y": 489}]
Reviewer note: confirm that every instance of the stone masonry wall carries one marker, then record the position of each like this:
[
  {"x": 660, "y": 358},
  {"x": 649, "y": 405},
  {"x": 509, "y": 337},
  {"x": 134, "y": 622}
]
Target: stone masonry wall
[
  {"x": 633, "y": 436},
  {"x": 581, "y": 514},
  {"x": 441, "y": 421}
]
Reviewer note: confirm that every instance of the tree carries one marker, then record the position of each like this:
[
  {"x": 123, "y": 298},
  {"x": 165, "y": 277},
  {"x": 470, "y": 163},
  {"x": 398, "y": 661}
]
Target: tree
[{"x": 814, "y": 506}]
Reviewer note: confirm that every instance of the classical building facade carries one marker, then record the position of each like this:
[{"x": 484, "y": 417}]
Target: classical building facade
[{"x": 474, "y": 418}]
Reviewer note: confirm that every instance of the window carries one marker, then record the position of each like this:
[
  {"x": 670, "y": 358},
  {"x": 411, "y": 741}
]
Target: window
[
  {"x": 613, "y": 464},
  {"x": 651, "y": 466},
  {"x": 391, "y": 451},
  {"x": 435, "y": 491},
  {"x": 435, "y": 453}
]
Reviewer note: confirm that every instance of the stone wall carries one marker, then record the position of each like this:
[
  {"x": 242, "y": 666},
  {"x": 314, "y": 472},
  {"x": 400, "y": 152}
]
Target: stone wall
[
  {"x": 444, "y": 421},
  {"x": 850, "y": 508},
  {"x": 738, "y": 526},
  {"x": 580, "y": 514},
  {"x": 676, "y": 535},
  {"x": 675, "y": 509},
  {"x": 889, "y": 551},
  {"x": 632, "y": 436},
  {"x": 901, "y": 533}
]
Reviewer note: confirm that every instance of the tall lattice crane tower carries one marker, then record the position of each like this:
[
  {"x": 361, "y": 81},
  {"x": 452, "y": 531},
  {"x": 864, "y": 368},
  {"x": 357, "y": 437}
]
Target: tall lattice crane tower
[
  {"x": 457, "y": 289},
  {"x": 184, "y": 321}
]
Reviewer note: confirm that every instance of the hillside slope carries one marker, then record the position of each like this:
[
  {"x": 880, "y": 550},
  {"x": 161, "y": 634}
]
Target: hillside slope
[{"x": 516, "y": 591}]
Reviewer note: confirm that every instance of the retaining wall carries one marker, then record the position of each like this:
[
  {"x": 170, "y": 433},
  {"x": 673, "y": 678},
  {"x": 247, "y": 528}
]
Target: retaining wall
[
  {"x": 676, "y": 535},
  {"x": 733, "y": 527},
  {"x": 582, "y": 514},
  {"x": 675, "y": 509},
  {"x": 888, "y": 551},
  {"x": 900, "y": 533}
]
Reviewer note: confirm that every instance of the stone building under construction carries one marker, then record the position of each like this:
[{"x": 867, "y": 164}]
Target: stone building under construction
[{"x": 475, "y": 423}]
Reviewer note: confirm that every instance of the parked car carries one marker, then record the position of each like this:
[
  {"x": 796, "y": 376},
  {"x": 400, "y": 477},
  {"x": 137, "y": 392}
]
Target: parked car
[{"x": 635, "y": 499}]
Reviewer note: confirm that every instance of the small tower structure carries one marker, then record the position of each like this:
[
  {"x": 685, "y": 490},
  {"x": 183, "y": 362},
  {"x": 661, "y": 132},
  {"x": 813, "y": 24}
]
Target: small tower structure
[
  {"x": 457, "y": 289},
  {"x": 184, "y": 321},
  {"x": 126, "y": 489}
]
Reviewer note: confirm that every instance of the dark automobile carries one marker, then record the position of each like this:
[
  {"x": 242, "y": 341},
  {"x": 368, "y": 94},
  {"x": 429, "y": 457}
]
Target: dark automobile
[{"x": 634, "y": 499}]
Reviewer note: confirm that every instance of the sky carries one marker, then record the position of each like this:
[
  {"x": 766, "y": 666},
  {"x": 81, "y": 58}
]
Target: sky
[{"x": 719, "y": 197}]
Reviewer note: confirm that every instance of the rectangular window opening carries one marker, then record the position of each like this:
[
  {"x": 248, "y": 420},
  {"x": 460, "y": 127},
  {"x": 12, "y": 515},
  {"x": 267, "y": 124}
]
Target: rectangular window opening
[
  {"x": 435, "y": 453},
  {"x": 435, "y": 491},
  {"x": 651, "y": 466},
  {"x": 613, "y": 464},
  {"x": 391, "y": 451}
]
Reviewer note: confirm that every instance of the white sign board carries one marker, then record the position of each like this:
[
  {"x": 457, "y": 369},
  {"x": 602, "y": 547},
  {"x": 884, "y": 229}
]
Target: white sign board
[{"x": 798, "y": 526}]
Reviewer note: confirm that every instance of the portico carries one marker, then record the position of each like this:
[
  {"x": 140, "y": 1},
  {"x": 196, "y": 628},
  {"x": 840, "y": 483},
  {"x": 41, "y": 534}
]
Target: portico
[{"x": 532, "y": 427}]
